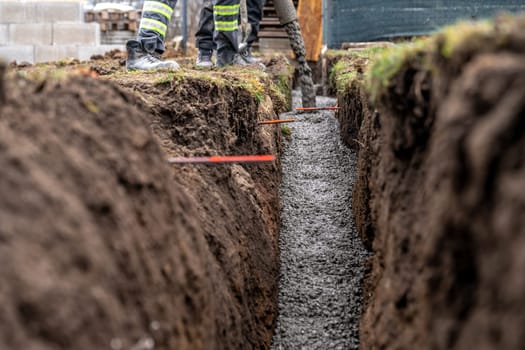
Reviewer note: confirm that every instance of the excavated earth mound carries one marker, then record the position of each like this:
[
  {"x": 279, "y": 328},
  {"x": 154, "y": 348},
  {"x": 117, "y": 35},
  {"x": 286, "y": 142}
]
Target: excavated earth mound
[
  {"x": 440, "y": 195},
  {"x": 103, "y": 245}
]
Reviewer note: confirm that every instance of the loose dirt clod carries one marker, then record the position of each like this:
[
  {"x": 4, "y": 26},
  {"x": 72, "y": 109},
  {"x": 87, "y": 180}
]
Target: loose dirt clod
[{"x": 321, "y": 255}]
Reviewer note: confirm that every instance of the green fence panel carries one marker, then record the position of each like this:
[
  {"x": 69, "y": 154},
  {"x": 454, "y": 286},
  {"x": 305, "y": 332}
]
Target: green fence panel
[{"x": 357, "y": 21}]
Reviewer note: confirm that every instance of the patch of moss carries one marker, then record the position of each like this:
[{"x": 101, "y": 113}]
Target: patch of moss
[
  {"x": 283, "y": 83},
  {"x": 390, "y": 61},
  {"x": 167, "y": 78},
  {"x": 448, "y": 42},
  {"x": 286, "y": 131},
  {"x": 342, "y": 75},
  {"x": 460, "y": 33},
  {"x": 281, "y": 89}
]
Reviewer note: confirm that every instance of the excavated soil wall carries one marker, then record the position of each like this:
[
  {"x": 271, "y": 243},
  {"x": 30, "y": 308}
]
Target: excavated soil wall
[
  {"x": 103, "y": 245},
  {"x": 440, "y": 195}
]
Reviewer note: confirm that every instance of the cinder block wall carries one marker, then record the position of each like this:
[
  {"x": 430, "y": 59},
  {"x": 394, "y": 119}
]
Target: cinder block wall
[{"x": 42, "y": 31}]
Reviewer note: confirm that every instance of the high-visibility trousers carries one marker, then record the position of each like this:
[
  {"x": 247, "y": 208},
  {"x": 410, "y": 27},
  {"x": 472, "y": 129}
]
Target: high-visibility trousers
[
  {"x": 226, "y": 21},
  {"x": 156, "y": 15},
  {"x": 204, "y": 35}
]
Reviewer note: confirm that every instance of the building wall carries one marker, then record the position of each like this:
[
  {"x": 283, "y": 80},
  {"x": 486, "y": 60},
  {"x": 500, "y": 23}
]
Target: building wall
[
  {"x": 371, "y": 20},
  {"x": 41, "y": 31}
]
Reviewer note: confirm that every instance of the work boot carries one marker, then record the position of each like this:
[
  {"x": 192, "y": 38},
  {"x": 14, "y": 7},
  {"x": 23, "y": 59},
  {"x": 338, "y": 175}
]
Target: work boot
[
  {"x": 247, "y": 56},
  {"x": 226, "y": 57},
  {"x": 140, "y": 59},
  {"x": 204, "y": 59}
]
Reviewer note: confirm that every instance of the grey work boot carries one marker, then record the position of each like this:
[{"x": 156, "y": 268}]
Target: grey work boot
[
  {"x": 226, "y": 57},
  {"x": 204, "y": 59},
  {"x": 140, "y": 59},
  {"x": 247, "y": 56}
]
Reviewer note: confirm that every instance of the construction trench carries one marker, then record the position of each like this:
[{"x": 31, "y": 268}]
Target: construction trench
[
  {"x": 322, "y": 257},
  {"x": 104, "y": 245}
]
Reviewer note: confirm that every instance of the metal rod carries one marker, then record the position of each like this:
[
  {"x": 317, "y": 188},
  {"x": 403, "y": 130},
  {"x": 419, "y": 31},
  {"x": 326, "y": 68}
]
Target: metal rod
[
  {"x": 276, "y": 121},
  {"x": 317, "y": 108},
  {"x": 184, "y": 5},
  {"x": 222, "y": 159}
]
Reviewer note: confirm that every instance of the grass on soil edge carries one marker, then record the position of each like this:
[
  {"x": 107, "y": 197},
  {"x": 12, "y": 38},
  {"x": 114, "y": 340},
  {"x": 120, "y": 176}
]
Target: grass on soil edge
[
  {"x": 452, "y": 42},
  {"x": 376, "y": 67},
  {"x": 349, "y": 66},
  {"x": 276, "y": 83}
]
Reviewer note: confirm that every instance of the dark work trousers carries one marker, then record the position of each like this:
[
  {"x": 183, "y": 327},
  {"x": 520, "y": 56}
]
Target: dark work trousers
[
  {"x": 226, "y": 21},
  {"x": 156, "y": 16},
  {"x": 204, "y": 35}
]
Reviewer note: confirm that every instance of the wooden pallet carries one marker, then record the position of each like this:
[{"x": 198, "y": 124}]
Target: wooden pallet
[
  {"x": 114, "y": 20},
  {"x": 108, "y": 15},
  {"x": 118, "y": 26}
]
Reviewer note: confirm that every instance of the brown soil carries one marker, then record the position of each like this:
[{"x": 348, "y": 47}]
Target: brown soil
[
  {"x": 104, "y": 245},
  {"x": 440, "y": 199}
]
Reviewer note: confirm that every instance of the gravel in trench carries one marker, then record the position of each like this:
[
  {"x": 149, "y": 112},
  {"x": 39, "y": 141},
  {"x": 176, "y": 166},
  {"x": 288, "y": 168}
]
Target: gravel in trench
[{"x": 322, "y": 257}]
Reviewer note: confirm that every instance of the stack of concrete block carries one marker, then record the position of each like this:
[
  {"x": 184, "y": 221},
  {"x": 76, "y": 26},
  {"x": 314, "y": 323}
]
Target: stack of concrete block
[{"x": 43, "y": 31}]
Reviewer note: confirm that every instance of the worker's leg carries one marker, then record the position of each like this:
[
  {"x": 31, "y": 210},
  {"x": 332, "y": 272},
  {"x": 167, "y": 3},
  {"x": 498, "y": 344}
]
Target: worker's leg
[
  {"x": 144, "y": 53},
  {"x": 255, "y": 14},
  {"x": 156, "y": 15},
  {"x": 226, "y": 18},
  {"x": 204, "y": 35}
]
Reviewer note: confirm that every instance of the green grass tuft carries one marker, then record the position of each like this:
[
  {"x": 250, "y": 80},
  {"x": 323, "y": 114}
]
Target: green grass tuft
[
  {"x": 390, "y": 61},
  {"x": 286, "y": 131}
]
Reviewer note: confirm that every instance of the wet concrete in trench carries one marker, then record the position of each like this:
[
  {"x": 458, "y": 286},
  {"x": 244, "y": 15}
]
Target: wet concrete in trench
[{"x": 322, "y": 256}]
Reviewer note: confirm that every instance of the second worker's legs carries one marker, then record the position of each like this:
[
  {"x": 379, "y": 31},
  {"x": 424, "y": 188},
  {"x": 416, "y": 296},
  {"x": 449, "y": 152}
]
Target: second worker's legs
[
  {"x": 255, "y": 14},
  {"x": 204, "y": 35},
  {"x": 226, "y": 19}
]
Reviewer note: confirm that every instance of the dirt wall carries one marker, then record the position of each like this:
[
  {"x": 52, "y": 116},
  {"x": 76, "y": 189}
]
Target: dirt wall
[
  {"x": 103, "y": 245},
  {"x": 440, "y": 197}
]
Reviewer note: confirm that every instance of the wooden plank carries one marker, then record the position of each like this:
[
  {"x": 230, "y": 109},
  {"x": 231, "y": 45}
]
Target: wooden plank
[
  {"x": 271, "y": 21},
  {"x": 310, "y": 13},
  {"x": 271, "y": 34}
]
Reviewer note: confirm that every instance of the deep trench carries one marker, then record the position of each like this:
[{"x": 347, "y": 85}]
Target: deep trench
[{"x": 322, "y": 257}]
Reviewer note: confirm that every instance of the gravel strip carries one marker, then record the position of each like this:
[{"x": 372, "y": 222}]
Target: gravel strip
[{"x": 322, "y": 257}]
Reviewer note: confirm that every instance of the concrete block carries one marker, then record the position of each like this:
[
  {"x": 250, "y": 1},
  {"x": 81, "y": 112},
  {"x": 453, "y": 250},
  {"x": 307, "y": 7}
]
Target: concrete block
[
  {"x": 17, "y": 12},
  {"x": 59, "y": 12},
  {"x": 19, "y": 53},
  {"x": 49, "y": 53},
  {"x": 3, "y": 34},
  {"x": 30, "y": 33},
  {"x": 85, "y": 52},
  {"x": 76, "y": 33}
]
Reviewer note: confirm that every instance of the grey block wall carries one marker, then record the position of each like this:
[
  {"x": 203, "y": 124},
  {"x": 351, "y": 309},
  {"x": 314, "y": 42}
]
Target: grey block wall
[
  {"x": 42, "y": 31},
  {"x": 3, "y": 34}
]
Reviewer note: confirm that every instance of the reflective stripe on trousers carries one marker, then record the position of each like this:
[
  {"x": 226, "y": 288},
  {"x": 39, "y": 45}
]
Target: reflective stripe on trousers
[
  {"x": 226, "y": 20},
  {"x": 204, "y": 35},
  {"x": 156, "y": 15}
]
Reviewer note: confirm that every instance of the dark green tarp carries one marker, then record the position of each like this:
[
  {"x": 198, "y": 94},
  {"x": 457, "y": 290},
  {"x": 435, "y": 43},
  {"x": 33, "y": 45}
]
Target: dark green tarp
[{"x": 355, "y": 21}]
